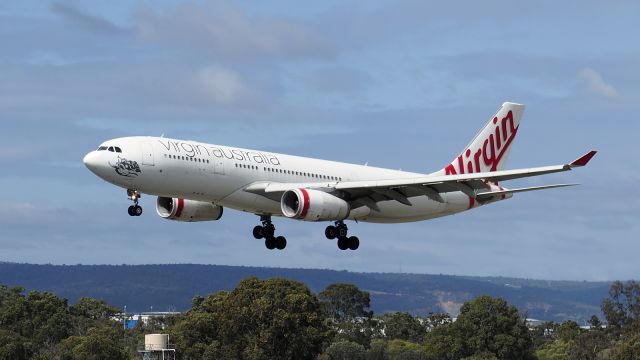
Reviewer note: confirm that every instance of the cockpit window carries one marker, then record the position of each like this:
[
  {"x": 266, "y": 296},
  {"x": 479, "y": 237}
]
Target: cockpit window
[
  {"x": 111, "y": 149},
  {"x": 118, "y": 149},
  {"x": 102, "y": 148}
]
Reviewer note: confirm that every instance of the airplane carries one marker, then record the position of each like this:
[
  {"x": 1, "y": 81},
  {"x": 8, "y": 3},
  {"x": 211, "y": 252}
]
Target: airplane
[{"x": 195, "y": 181}]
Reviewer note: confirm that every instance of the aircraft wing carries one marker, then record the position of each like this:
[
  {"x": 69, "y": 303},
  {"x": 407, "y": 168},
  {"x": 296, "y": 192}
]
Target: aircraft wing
[{"x": 368, "y": 192}]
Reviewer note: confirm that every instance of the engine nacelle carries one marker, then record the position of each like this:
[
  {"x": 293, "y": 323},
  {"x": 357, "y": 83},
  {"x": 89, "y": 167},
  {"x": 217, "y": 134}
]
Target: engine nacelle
[
  {"x": 313, "y": 205},
  {"x": 187, "y": 210}
]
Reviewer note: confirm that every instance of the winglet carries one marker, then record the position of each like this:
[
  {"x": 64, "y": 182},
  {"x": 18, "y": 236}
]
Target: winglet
[{"x": 584, "y": 159}]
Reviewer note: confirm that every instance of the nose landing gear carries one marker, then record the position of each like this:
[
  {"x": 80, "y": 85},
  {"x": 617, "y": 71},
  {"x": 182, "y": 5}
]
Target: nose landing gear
[
  {"x": 135, "y": 209},
  {"x": 266, "y": 231},
  {"x": 340, "y": 231}
]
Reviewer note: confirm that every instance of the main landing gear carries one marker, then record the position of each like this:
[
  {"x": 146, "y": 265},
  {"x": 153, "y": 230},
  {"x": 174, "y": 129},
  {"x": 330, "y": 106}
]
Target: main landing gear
[
  {"x": 266, "y": 231},
  {"x": 340, "y": 231},
  {"x": 135, "y": 209}
]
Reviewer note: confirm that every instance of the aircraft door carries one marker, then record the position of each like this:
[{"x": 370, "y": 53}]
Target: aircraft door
[
  {"x": 218, "y": 167},
  {"x": 147, "y": 154}
]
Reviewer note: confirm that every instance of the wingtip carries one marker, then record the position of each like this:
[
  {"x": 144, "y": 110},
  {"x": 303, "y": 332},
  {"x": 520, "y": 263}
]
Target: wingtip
[{"x": 584, "y": 159}]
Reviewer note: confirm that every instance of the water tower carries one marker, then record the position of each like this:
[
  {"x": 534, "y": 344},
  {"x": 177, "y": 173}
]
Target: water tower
[{"x": 157, "y": 347}]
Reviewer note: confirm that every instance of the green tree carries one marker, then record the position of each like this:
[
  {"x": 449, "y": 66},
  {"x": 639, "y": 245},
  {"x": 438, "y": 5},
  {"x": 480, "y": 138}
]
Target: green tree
[
  {"x": 544, "y": 334},
  {"x": 259, "y": 319},
  {"x": 433, "y": 320},
  {"x": 13, "y": 346},
  {"x": 568, "y": 330},
  {"x": 627, "y": 349},
  {"x": 595, "y": 323},
  {"x": 347, "y": 307},
  {"x": 93, "y": 309},
  {"x": 41, "y": 317},
  {"x": 403, "y": 326},
  {"x": 555, "y": 350},
  {"x": 377, "y": 350},
  {"x": 446, "y": 342},
  {"x": 588, "y": 346},
  {"x": 99, "y": 344},
  {"x": 345, "y": 301},
  {"x": 491, "y": 325},
  {"x": 622, "y": 308},
  {"x": 346, "y": 350},
  {"x": 485, "y": 326},
  {"x": 405, "y": 350}
]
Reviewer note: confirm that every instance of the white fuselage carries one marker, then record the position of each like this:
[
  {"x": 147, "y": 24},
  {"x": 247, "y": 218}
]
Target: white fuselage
[{"x": 219, "y": 174}]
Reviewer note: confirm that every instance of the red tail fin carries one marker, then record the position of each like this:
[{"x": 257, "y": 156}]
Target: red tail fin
[{"x": 488, "y": 151}]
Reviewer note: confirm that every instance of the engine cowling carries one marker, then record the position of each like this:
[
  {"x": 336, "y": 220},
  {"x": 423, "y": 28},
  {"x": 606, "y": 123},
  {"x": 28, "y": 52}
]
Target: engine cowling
[
  {"x": 187, "y": 210},
  {"x": 313, "y": 205}
]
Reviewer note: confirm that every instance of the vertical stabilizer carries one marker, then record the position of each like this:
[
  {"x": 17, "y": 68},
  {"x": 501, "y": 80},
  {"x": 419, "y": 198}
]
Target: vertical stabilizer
[{"x": 489, "y": 150}]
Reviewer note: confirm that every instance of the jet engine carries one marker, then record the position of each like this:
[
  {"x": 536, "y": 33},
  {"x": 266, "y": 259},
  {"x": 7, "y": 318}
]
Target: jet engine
[
  {"x": 313, "y": 205},
  {"x": 187, "y": 210}
]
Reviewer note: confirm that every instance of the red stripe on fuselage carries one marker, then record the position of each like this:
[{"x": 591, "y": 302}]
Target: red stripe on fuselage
[
  {"x": 180, "y": 207},
  {"x": 305, "y": 203}
]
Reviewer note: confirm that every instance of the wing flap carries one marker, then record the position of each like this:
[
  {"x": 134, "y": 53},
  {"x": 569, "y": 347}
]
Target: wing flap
[{"x": 487, "y": 195}]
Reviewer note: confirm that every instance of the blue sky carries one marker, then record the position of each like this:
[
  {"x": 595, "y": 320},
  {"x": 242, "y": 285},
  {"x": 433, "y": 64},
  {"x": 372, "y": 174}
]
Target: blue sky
[{"x": 399, "y": 84}]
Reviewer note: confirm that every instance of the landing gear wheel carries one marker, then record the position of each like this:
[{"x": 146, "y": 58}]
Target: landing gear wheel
[
  {"x": 354, "y": 243},
  {"x": 343, "y": 243},
  {"x": 331, "y": 232},
  {"x": 268, "y": 230},
  {"x": 258, "y": 232},
  {"x": 270, "y": 243},
  {"x": 281, "y": 242},
  {"x": 135, "y": 209}
]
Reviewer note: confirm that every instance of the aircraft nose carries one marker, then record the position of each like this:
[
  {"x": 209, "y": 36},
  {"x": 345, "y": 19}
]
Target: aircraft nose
[{"x": 90, "y": 161}]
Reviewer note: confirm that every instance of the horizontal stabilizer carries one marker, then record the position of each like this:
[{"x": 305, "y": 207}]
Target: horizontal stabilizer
[{"x": 487, "y": 195}]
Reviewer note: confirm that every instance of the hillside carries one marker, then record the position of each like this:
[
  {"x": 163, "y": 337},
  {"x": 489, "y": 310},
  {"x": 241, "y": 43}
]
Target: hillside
[{"x": 171, "y": 287}]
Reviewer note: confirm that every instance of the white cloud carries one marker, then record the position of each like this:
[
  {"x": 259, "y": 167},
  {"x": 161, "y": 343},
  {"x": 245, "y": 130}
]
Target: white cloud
[
  {"x": 595, "y": 84},
  {"x": 87, "y": 20},
  {"x": 220, "y": 85},
  {"x": 226, "y": 30}
]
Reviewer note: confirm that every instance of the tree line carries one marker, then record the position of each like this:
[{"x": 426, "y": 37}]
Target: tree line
[{"x": 282, "y": 319}]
